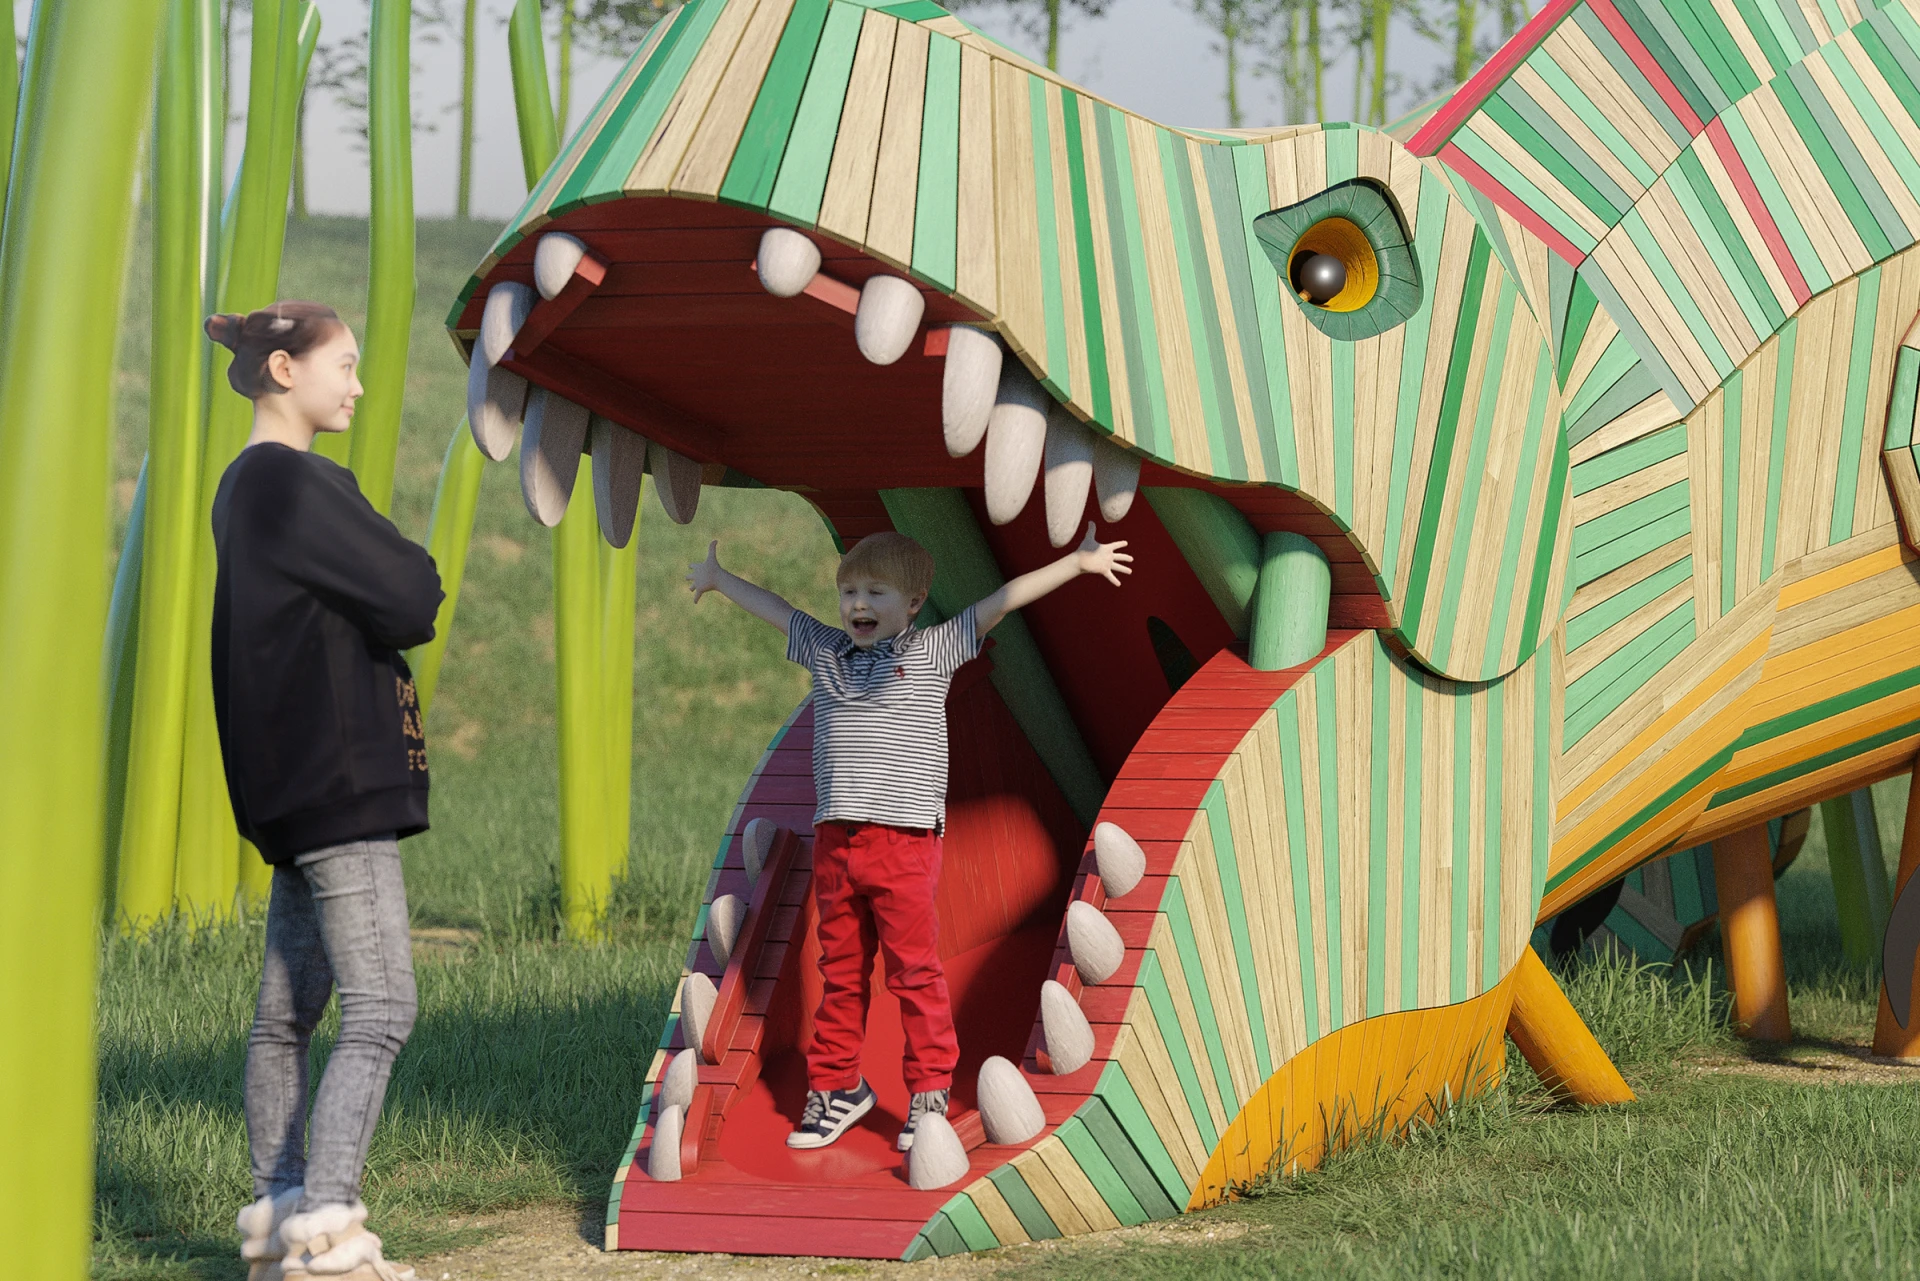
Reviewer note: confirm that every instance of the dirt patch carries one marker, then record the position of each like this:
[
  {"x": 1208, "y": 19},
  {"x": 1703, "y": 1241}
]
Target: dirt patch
[
  {"x": 442, "y": 944},
  {"x": 1812, "y": 1063},
  {"x": 551, "y": 1243}
]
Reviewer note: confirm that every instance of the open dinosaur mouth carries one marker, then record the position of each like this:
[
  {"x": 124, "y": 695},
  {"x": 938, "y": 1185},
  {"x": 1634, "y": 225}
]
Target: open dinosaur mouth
[{"x": 708, "y": 345}]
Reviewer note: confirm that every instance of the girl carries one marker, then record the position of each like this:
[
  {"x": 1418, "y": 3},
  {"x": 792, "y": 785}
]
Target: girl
[{"x": 317, "y": 594}]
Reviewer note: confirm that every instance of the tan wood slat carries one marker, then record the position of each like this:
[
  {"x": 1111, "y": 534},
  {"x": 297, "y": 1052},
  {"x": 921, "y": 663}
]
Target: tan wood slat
[
  {"x": 1687, "y": 254},
  {"x": 977, "y": 263},
  {"x": 1119, "y": 385},
  {"x": 1634, "y": 485},
  {"x": 1023, "y": 313},
  {"x": 1607, "y": 643},
  {"x": 1275, "y": 869},
  {"x": 895, "y": 184},
  {"x": 1168, "y": 954},
  {"x": 1436, "y": 849},
  {"x": 1149, "y": 1069},
  {"x": 1186, "y": 418},
  {"x": 993, "y": 1207},
  {"x": 1398, "y": 692},
  {"x": 1206, "y": 912},
  {"x": 1074, "y": 1183},
  {"x": 1046, "y": 1189},
  {"x": 1653, "y": 414},
  {"x": 848, "y": 199},
  {"x": 1601, "y": 331},
  {"x": 1307, "y": 770},
  {"x": 1736, "y": 208},
  {"x": 1239, "y": 392},
  {"x": 1706, "y": 496},
  {"x": 1756, "y": 450},
  {"x": 1353, "y": 737},
  {"x": 704, "y": 167},
  {"x": 1067, "y": 249},
  {"x": 1240, "y": 781},
  {"x": 1449, "y": 286},
  {"x": 660, "y": 158},
  {"x": 1825, "y": 221},
  {"x": 1535, "y": 86}
]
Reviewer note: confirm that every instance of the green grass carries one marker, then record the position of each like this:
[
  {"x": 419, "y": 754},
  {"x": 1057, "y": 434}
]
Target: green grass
[{"x": 520, "y": 1083}]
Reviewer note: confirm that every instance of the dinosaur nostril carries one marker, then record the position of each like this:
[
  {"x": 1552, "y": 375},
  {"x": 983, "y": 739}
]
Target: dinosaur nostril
[{"x": 1318, "y": 277}]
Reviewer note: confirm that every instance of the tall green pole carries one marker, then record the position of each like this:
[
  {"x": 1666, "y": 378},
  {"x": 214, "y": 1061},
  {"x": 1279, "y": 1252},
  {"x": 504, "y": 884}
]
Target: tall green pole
[
  {"x": 563, "y": 110},
  {"x": 585, "y": 874},
  {"x": 463, "y": 194},
  {"x": 577, "y": 587},
  {"x": 123, "y": 626},
  {"x": 186, "y": 152},
  {"x": 1862, "y": 896},
  {"x": 209, "y": 848},
  {"x": 456, "y": 497},
  {"x": 88, "y": 88},
  {"x": 9, "y": 97},
  {"x": 390, "y": 268},
  {"x": 622, "y": 568}
]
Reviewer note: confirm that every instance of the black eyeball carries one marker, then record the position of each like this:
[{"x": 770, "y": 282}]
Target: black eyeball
[{"x": 1318, "y": 278}]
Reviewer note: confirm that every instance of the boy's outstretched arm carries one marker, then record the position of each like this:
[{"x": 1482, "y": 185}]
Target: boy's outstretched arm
[
  {"x": 707, "y": 576},
  {"x": 1091, "y": 557}
]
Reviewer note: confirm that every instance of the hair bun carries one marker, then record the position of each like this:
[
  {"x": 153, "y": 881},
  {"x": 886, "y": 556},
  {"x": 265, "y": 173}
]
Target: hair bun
[{"x": 224, "y": 328}]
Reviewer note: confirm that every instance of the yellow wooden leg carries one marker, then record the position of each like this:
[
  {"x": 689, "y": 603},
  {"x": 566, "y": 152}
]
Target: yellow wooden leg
[
  {"x": 1557, "y": 1045},
  {"x": 1889, "y": 1038},
  {"x": 1750, "y": 935}
]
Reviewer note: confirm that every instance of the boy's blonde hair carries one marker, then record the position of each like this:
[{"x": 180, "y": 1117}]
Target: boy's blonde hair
[{"x": 893, "y": 559}]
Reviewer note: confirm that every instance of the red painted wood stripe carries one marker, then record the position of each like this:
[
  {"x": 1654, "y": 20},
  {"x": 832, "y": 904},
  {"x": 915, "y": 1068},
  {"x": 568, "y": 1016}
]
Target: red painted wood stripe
[
  {"x": 768, "y": 1234},
  {"x": 548, "y": 314},
  {"x": 694, "y": 1133},
  {"x": 1757, "y": 210},
  {"x": 1457, "y": 160},
  {"x": 1649, "y": 67},
  {"x": 1467, "y": 99},
  {"x": 727, "y": 1008}
]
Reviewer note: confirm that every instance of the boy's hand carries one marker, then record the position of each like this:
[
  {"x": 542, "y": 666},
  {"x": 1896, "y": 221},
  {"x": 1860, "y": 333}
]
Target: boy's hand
[
  {"x": 1104, "y": 559},
  {"x": 704, "y": 576}
]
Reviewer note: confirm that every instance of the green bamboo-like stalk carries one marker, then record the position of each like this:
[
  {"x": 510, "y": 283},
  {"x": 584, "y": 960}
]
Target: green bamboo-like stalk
[
  {"x": 188, "y": 121},
  {"x": 1382, "y": 16},
  {"x": 123, "y": 627},
  {"x": 449, "y": 532},
  {"x": 9, "y": 97},
  {"x": 532, "y": 100},
  {"x": 209, "y": 851},
  {"x": 390, "y": 282},
  {"x": 585, "y": 849},
  {"x": 87, "y": 89},
  {"x": 463, "y": 192},
  {"x": 621, "y": 567},
  {"x": 585, "y": 875},
  {"x": 563, "y": 111}
]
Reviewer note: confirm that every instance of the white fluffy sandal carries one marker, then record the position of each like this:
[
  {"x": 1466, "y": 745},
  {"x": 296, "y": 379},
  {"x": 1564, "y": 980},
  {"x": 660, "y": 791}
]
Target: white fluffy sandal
[
  {"x": 259, "y": 1225},
  {"x": 333, "y": 1242}
]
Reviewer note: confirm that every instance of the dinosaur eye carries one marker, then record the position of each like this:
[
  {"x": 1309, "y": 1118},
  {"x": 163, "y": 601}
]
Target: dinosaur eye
[{"x": 1345, "y": 256}]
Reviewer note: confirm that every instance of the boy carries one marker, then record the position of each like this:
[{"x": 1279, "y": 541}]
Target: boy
[{"x": 880, "y": 779}]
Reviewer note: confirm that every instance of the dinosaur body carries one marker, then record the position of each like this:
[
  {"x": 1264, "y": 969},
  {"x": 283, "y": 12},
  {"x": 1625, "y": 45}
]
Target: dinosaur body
[{"x": 1592, "y": 443}]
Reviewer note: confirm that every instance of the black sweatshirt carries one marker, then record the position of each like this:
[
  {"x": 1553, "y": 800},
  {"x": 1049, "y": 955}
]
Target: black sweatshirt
[{"x": 317, "y": 593}]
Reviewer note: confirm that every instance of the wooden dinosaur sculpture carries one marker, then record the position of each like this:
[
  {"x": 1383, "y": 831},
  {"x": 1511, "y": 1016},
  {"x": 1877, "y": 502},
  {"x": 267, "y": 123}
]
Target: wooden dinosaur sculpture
[{"x": 1523, "y": 498}]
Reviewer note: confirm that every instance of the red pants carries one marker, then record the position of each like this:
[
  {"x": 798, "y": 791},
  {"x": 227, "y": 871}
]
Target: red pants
[{"x": 875, "y": 886}]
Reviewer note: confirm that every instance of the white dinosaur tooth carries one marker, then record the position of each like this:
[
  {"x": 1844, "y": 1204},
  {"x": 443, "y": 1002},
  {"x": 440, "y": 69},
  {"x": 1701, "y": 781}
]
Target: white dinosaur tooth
[
  {"x": 937, "y": 1157},
  {"x": 496, "y": 399},
  {"x": 967, "y": 386},
  {"x": 1069, "y": 468},
  {"x": 787, "y": 261},
  {"x": 1016, "y": 439},
  {"x": 1093, "y": 942},
  {"x": 1119, "y": 858},
  {"x": 1064, "y": 1024},
  {"x": 697, "y": 995},
  {"x": 723, "y": 925},
  {"x": 756, "y": 843},
  {"x": 887, "y": 318},
  {"x": 619, "y": 463},
  {"x": 507, "y": 306},
  {"x": 1116, "y": 479},
  {"x": 676, "y": 482},
  {"x": 677, "y": 1082},
  {"x": 554, "y": 259},
  {"x": 556, "y": 432},
  {"x": 663, "y": 1158},
  {"x": 1009, "y": 1109}
]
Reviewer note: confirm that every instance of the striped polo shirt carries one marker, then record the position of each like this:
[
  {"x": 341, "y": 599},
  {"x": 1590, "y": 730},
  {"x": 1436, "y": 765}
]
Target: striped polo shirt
[{"x": 880, "y": 719}]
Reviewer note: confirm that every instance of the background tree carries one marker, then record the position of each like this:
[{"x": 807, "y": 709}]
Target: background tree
[
  {"x": 1227, "y": 19},
  {"x": 615, "y": 28},
  {"x": 463, "y": 191},
  {"x": 1040, "y": 20}
]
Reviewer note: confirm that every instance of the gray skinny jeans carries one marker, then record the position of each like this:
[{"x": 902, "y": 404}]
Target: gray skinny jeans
[{"x": 338, "y": 915}]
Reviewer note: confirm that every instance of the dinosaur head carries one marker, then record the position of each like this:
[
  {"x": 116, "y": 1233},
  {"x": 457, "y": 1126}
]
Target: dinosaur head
[{"x": 825, "y": 249}]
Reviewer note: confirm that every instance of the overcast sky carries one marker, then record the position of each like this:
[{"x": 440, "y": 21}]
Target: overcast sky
[{"x": 1151, "y": 56}]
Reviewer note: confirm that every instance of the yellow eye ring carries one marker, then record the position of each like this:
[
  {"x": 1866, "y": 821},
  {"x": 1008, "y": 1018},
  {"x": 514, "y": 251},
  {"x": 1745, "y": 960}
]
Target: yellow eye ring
[{"x": 1343, "y": 240}]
